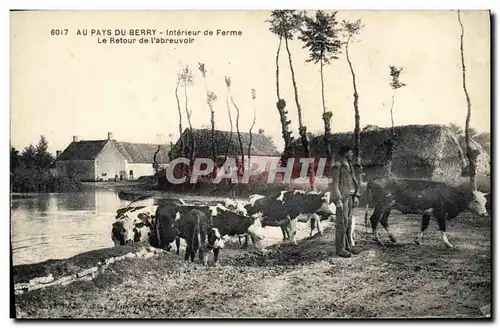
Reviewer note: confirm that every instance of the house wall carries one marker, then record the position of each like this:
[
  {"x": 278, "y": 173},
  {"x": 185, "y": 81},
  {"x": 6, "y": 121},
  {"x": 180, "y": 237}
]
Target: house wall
[
  {"x": 109, "y": 162},
  {"x": 139, "y": 169},
  {"x": 82, "y": 170}
]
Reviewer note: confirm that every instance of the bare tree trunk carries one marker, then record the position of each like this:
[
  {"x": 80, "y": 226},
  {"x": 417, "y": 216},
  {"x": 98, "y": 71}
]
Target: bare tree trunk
[
  {"x": 327, "y": 116},
  {"x": 390, "y": 143},
  {"x": 392, "y": 115},
  {"x": 281, "y": 104},
  {"x": 155, "y": 164},
  {"x": 302, "y": 129},
  {"x": 191, "y": 145},
  {"x": 357, "y": 132},
  {"x": 213, "y": 146},
  {"x": 251, "y": 136},
  {"x": 278, "y": 69},
  {"x": 230, "y": 122},
  {"x": 322, "y": 87},
  {"x": 470, "y": 155},
  {"x": 238, "y": 130},
  {"x": 180, "y": 116}
]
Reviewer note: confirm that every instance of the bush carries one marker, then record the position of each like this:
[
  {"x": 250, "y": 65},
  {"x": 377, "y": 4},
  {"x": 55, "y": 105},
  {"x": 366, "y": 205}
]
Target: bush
[{"x": 26, "y": 180}]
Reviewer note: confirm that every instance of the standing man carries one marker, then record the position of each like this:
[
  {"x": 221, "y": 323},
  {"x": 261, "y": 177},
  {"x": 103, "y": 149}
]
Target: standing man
[
  {"x": 234, "y": 186},
  {"x": 345, "y": 195}
]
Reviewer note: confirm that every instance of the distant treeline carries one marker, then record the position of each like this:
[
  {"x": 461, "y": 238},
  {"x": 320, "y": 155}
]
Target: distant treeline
[{"x": 33, "y": 170}]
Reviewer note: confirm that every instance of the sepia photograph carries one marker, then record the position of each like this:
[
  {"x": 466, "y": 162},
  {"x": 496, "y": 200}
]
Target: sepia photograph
[{"x": 250, "y": 164}]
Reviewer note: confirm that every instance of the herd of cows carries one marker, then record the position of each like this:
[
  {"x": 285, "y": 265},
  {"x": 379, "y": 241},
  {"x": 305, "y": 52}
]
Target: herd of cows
[{"x": 204, "y": 225}]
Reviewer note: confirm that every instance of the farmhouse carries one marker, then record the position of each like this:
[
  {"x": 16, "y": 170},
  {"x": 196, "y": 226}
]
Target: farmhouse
[
  {"x": 94, "y": 160},
  {"x": 420, "y": 151},
  {"x": 225, "y": 142}
]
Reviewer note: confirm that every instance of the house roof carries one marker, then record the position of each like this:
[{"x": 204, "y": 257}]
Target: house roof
[
  {"x": 82, "y": 150},
  {"x": 133, "y": 152},
  {"x": 142, "y": 152},
  {"x": 262, "y": 145}
]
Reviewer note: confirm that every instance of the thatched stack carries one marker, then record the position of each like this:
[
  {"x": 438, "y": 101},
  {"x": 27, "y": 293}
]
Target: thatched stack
[
  {"x": 483, "y": 160},
  {"x": 420, "y": 151}
]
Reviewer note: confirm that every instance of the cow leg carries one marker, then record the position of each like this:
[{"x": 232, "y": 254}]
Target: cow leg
[
  {"x": 158, "y": 236},
  {"x": 187, "y": 253},
  {"x": 425, "y": 223},
  {"x": 317, "y": 221},
  {"x": 177, "y": 244},
  {"x": 312, "y": 224},
  {"x": 349, "y": 226},
  {"x": 385, "y": 224},
  {"x": 205, "y": 257},
  {"x": 292, "y": 228},
  {"x": 201, "y": 248},
  {"x": 253, "y": 240},
  {"x": 216, "y": 256},
  {"x": 374, "y": 220},
  {"x": 442, "y": 228},
  {"x": 196, "y": 246},
  {"x": 283, "y": 231},
  {"x": 245, "y": 245}
]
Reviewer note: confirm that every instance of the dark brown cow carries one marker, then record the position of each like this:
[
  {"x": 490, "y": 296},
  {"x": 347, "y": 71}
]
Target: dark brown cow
[
  {"x": 194, "y": 227},
  {"x": 430, "y": 198}
]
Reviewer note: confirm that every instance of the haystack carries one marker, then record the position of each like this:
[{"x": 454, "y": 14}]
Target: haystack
[
  {"x": 420, "y": 151},
  {"x": 483, "y": 161}
]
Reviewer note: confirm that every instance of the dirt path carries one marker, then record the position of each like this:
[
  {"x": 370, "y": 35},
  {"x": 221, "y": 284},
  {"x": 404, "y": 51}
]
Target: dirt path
[{"x": 303, "y": 281}]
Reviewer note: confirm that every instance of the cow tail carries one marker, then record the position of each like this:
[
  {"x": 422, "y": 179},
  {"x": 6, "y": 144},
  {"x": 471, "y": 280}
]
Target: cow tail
[
  {"x": 366, "y": 207},
  {"x": 157, "y": 228},
  {"x": 366, "y": 218}
]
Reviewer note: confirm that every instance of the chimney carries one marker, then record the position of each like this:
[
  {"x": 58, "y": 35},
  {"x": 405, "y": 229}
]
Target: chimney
[
  {"x": 110, "y": 135},
  {"x": 58, "y": 153},
  {"x": 75, "y": 139}
]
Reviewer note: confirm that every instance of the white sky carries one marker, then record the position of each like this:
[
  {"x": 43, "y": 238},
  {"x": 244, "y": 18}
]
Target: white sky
[{"x": 70, "y": 85}]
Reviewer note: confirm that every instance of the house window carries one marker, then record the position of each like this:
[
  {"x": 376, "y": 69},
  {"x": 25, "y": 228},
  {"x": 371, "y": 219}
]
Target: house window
[
  {"x": 131, "y": 174},
  {"x": 104, "y": 174}
]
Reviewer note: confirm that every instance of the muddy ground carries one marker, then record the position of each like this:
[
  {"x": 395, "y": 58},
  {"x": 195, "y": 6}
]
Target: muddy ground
[{"x": 286, "y": 281}]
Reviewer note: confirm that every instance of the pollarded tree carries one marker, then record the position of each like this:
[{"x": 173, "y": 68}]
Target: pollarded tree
[
  {"x": 395, "y": 84},
  {"x": 228, "y": 91},
  {"x": 352, "y": 29},
  {"x": 321, "y": 38},
  {"x": 285, "y": 24},
  {"x": 279, "y": 27},
  {"x": 178, "y": 82},
  {"x": 187, "y": 79},
  {"x": 211, "y": 99},
  {"x": 471, "y": 154},
  {"x": 238, "y": 129},
  {"x": 254, "y": 96}
]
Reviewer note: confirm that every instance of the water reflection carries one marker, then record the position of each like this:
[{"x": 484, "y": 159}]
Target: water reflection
[{"x": 54, "y": 226}]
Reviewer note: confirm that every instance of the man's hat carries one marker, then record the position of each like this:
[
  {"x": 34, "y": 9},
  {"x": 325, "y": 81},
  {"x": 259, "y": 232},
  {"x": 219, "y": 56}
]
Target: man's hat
[{"x": 344, "y": 149}]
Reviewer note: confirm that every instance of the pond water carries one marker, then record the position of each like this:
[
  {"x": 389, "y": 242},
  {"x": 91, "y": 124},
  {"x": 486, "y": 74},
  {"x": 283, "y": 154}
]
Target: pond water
[{"x": 56, "y": 226}]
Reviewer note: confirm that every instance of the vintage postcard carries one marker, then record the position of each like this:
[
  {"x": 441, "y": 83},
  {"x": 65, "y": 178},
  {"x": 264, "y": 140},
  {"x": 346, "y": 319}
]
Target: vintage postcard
[{"x": 285, "y": 164}]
